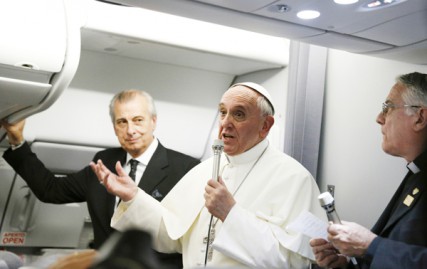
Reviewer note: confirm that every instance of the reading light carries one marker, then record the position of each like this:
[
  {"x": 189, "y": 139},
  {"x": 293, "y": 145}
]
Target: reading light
[
  {"x": 381, "y": 3},
  {"x": 345, "y": 2},
  {"x": 308, "y": 14},
  {"x": 374, "y": 4}
]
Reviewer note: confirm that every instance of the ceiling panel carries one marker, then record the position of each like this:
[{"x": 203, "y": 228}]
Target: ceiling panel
[
  {"x": 346, "y": 42},
  {"x": 345, "y": 19},
  {"x": 123, "y": 46},
  {"x": 400, "y": 31},
  {"x": 242, "y": 5},
  {"x": 390, "y": 31}
]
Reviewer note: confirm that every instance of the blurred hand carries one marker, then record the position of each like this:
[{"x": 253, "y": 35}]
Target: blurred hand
[
  {"x": 218, "y": 200},
  {"x": 326, "y": 255},
  {"x": 120, "y": 185},
  {"x": 14, "y": 131},
  {"x": 350, "y": 238}
]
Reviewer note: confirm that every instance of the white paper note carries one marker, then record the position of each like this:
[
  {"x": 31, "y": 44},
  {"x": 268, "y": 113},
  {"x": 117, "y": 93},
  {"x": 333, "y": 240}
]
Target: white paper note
[{"x": 309, "y": 225}]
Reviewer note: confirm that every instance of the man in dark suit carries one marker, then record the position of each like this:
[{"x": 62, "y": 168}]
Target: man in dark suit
[
  {"x": 158, "y": 169},
  {"x": 403, "y": 121},
  {"x": 402, "y": 256}
]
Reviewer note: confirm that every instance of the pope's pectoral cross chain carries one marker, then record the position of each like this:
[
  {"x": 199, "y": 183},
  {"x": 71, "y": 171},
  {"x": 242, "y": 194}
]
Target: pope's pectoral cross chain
[{"x": 211, "y": 238}]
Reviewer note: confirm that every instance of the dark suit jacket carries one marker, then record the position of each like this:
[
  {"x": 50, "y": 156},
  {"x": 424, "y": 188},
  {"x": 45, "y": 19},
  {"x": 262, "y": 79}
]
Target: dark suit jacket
[
  {"x": 392, "y": 254},
  {"x": 164, "y": 170},
  {"x": 404, "y": 219}
]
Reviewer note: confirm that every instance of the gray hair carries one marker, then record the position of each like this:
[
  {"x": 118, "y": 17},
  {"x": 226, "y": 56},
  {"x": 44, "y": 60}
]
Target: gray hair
[
  {"x": 264, "y": 106},
  {"x": 416, "y": 90},
  {"x": 127, "y": 95}
]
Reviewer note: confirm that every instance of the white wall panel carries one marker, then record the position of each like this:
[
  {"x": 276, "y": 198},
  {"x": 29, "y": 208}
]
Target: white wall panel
[
  {"x": 186, "y": 100},
  {"x": 351, "y": 156}
]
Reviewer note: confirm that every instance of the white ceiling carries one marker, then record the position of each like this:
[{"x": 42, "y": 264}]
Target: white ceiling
[
  {"x": 142, "y": 49},
  {"x": 397, "y": 31},
  {"x": 143, "y": 34}
]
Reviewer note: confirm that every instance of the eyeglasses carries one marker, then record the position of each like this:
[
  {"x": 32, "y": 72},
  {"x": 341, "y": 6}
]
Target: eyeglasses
[{"x": 386, "y": 106}]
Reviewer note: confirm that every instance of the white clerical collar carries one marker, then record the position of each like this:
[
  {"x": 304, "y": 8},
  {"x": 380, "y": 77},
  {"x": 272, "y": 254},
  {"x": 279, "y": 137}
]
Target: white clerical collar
[
  {"x": 413, "y": 167},
  {"x": 145, "y": 157},
  {"x": 250, "y": 155}
]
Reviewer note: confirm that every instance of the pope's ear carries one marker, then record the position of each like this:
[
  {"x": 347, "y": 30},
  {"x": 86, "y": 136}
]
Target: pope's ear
[{"x": 268, "y": 123}]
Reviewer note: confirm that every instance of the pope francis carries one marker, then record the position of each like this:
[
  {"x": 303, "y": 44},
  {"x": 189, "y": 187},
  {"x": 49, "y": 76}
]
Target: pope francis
[{"x": 239, "y": 220}]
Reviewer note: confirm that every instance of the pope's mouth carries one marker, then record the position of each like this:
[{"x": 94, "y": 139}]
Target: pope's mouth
[{"x": 226, "y": 137}]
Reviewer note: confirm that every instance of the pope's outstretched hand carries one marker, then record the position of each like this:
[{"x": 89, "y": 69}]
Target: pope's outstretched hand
[{"x": 120, "y": 185}]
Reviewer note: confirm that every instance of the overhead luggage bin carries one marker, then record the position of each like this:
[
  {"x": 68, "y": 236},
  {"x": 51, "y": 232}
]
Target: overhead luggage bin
[{"x": 39, "y": 54}]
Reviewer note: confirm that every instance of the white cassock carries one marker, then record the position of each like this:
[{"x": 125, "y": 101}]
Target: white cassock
[{"x": 271, "y": 189}]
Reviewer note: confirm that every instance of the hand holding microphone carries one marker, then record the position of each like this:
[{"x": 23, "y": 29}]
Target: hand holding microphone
[
  {"x": 218, "y": 199},
  {"x": 328, "y": 203},
  {"x": 214, "y": 183},
  {"x": 210, "y": 204}
]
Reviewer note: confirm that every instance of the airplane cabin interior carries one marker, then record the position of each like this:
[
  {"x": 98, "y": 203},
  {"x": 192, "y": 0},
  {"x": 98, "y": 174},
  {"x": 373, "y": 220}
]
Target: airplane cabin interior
[{"x": 62, "y": 61}]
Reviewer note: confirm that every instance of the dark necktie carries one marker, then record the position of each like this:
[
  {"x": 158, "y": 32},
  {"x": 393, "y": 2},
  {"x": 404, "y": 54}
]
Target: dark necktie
[
  {"x": 133, "y": 165},
  {"x": 132, "y": 173}
]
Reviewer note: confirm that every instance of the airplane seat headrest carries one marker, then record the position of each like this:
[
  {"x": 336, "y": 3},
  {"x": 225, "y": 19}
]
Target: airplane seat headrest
[{"x": 9, "y": 260}]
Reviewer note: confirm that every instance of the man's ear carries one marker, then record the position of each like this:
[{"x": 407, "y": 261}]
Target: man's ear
[
  {"x": 421, "y": 122},
  {"x": 115, "y": 129},
  {"x": 154, "y": 118}
]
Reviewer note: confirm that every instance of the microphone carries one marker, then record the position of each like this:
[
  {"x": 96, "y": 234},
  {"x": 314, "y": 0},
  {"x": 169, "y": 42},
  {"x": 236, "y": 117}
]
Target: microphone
[
  {"x": 217, "y": 147},
  {"x": 328, "y": 203}
]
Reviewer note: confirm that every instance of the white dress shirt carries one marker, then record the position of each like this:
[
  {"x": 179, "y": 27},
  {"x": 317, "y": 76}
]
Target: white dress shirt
[{"x": 142, "y": 162}]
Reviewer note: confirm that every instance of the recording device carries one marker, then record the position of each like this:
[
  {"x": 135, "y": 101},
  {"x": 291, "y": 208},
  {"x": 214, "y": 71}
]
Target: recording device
[
  {"x": 217, "y": 147},
  {"x": 328, "y": 203}
]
